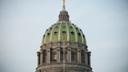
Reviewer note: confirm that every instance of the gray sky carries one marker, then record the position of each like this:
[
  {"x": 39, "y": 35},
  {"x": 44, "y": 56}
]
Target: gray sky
[{"x": 104, "y": 23}]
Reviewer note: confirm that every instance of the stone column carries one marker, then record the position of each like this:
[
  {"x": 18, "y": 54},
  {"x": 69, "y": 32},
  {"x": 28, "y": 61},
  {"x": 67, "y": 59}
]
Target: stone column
[
  {"x": 79, "y": 57},
  {"x": 48, "y": 56},
  {"x": 69, "y": 55},
  {"x": 58, "y": 55},
  {"x": 41, "y": 57}
]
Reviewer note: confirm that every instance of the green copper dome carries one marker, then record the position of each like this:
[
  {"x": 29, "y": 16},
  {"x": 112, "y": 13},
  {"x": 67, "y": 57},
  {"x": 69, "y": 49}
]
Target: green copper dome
[{"x": 64, "y": 31}]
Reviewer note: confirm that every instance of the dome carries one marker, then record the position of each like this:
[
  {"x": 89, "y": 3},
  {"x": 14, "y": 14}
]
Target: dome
[
  {"x": 63, "y": 31},
  {"x": 63, "y": 48}
]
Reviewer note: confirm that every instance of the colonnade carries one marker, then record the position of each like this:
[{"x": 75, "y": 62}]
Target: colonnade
[{"x": 63, "y": 55}]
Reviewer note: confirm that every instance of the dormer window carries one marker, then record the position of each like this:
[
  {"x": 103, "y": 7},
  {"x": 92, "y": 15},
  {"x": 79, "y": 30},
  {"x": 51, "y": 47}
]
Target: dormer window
[
  {"x": 76, "y": 28},
  {"x": 48, "y": 34},
  {"x": 72, "y": 33},
  {"x": 55, "y": 32},
  {"x": 79, "y": 34}
]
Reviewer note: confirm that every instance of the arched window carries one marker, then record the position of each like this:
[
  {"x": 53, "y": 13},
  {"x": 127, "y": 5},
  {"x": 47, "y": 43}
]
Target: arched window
[{"x": 53, "y": 55}]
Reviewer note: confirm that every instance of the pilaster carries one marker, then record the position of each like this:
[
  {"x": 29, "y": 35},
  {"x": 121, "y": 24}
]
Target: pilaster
[
  {"x": 48, "y": 56},
  {"x": 69, "y": 55},
  {"x": 58, "y": 55},
  {"x": 79, "y": 57}
]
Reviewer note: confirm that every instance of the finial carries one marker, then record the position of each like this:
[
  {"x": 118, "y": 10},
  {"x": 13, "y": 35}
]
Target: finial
[{"x": 63, "y": 6}]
